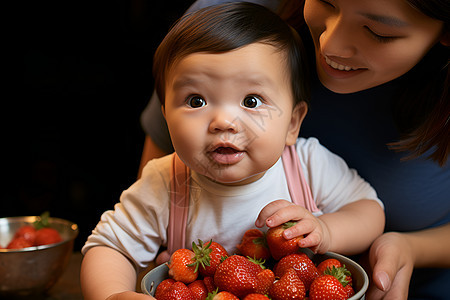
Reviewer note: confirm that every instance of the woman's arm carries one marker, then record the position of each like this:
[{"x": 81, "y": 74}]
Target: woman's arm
[{"x": 105, "y": 273}]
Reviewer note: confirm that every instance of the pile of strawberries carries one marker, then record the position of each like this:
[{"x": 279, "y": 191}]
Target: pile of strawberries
[
  {"x": 207, "y": 271},
  {"x": 35, "y": 235}
]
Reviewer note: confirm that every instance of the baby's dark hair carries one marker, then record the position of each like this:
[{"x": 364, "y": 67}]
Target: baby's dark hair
[{"x": 226, "y": 27}]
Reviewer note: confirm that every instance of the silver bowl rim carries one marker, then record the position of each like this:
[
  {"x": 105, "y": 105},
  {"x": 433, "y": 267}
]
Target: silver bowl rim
[{"x": 31, "y": 220}]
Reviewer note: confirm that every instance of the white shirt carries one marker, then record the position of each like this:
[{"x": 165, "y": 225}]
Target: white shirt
[{"x": 137, "y": 226}]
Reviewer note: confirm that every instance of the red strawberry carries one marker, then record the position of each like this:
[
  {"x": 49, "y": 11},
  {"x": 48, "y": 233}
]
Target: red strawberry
[
  {"x": 255, "y": 297},
  {"x": 349, "y": 290},
  {"x": 179, "y": 266},
  {"x": 264, "y": 279},
  {"x": 47, "y": 235},
  {"x": 278, "y": 245},
  {"x": 178, "y": 291},
  {"x": 209, "y": 284},
  {"x": 254, "y": 245},
  {"x": 288, "y": 287},
  {"x": 28, "y": 232},
  {"x": 327, "y": 287},
  {"x": 301, "y": 263},
  {"x": 207, "y": 257},
  {"x": 19, "y": 243},
  {"x": 163, "y": 288},
  {"x": 198, "y": 289},
  {"x": 224, "y": 295},
  {"x": 237, "y": 275},
  {"x": 328, "y": 263}
]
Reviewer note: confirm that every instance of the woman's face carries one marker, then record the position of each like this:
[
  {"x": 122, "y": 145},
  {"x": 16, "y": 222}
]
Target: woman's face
[{"x": 361, "y": 44}]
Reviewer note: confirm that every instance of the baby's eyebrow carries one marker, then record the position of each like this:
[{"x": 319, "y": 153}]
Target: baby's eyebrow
[
  {"x": 184, "y": 81},
  {"x": 387, "y": 20}
]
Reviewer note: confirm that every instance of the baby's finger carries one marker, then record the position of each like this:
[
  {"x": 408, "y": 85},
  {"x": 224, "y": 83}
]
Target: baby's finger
[
  {"x": 288, "y": 213},
  {"x": 269, "y": 210},
  {"x": 303, "y": 227}
]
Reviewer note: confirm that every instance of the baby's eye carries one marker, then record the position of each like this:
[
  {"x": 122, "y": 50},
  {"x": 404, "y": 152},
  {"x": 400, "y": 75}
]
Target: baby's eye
[
  {"x": 251, "y": 101},
  {"x": 195, "y": 101}
]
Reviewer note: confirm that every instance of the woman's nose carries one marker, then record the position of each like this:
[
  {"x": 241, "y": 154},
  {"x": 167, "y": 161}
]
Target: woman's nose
[{"x": 337, "y": 39}]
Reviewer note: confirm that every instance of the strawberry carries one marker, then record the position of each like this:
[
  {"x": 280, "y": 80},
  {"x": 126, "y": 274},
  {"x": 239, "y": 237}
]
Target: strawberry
[
  {"x": 209, "y": 284},
  {"x": 306, "y": 270},
  {"x": 288, "y": 287},
  {"x": 328, "y": 263},
  {"x": 47, "y": 235},
  {"x": 207, "y": 257},
  {"x": 327, "y": 287},
  {"x": 179, "y": 266},
  {"x": 163, "y": 287},
  {"x": 278, "y": 245},
  {"x": 342, "y": 274},
  {"x": 224, "y": 295},
  {"x": 349, "y": 290},
  {"x": 237, "y": 275},
  {"x": 198, "y": 289},
  {"x": 28, "y": 232},
  {"x": 264, "y": 279},
  {"x": 256, "y": 297},
  {"x": 19, "y": 243},
  {"x": 254, "y": 245},
  {"x": 178, "y": 291}
]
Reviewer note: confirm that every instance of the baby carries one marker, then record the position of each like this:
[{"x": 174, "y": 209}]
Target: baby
[{"x": 234, "y": 90}]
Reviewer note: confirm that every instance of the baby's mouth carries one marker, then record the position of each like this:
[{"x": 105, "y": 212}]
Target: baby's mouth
[
  {"x": 227, "y": 155},
  {"x": 226, "y": 150}
]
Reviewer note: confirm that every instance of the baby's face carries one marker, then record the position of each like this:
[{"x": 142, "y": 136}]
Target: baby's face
[{"x": 229, "y": 114}]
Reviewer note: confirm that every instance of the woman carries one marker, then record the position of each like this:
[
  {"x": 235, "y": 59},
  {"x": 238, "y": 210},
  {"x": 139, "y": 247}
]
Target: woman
[{"x": 380, "y": 101}]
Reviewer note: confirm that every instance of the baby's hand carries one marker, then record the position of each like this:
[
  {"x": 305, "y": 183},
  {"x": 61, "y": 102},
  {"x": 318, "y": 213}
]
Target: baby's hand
[{"x": 315, "y": 232}]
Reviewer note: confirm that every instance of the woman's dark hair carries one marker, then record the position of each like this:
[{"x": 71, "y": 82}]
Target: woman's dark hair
[
  {"x": 222, "y": 28},
  {"x": 422, "y": 109}
]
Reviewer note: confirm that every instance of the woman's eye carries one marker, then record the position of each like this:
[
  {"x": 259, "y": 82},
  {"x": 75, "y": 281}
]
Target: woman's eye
[
  {"x": 195, "y": 101},
  {"x": 251, "y": 102},
  {"x": 326, "y": 3},
  {"x": 380, "y": 38}
]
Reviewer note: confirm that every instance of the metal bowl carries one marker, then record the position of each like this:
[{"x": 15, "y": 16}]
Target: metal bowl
[
  {"x": 33, "y": 270},
  {"x": 360, "y": 279}
]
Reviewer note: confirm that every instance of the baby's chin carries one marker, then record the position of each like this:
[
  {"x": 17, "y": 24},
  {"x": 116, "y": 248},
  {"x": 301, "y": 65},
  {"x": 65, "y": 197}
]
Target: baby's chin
[{"x": 234, "y": 181}]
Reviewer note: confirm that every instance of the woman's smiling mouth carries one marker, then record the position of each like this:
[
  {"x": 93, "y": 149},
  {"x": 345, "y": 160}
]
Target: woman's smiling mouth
[{"x": 337, "y": 66}]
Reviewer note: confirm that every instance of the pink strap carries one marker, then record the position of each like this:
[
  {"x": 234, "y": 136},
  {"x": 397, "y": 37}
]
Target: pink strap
[
  {"x": 178, "y": 210},
  {"x": 297, "y": 185},
  {"x": 179, "y": 204}
]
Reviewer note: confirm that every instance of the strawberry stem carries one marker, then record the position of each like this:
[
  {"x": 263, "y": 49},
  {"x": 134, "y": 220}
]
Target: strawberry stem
[{"x": 202, "y": 255}]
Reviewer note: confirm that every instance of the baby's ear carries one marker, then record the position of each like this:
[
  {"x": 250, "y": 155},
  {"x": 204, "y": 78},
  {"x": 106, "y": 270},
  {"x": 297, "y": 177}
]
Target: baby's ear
[{"x": 298, "y": 114}]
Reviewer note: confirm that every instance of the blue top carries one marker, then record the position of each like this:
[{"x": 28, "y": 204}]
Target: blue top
[{"x": 416, "y": 193}]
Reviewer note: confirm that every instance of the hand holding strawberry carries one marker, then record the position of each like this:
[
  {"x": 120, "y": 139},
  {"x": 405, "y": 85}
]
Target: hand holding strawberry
[{"x": 279, "y": 246}]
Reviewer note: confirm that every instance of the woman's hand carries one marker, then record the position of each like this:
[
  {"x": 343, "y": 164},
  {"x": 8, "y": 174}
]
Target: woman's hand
[
  {"x": 392, "y": 261},
  {"x": 315, "y": 232},
  {"x": 129, "y": 296}
]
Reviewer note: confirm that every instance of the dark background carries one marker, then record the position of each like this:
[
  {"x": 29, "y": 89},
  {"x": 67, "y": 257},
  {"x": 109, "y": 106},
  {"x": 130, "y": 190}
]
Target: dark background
[{"x": 80, "y": 77}]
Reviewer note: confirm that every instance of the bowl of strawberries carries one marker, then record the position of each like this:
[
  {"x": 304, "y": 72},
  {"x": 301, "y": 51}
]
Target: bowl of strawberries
[
  {"x": 34, "y": 252},
  {"x": 263, "y": 268}
]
